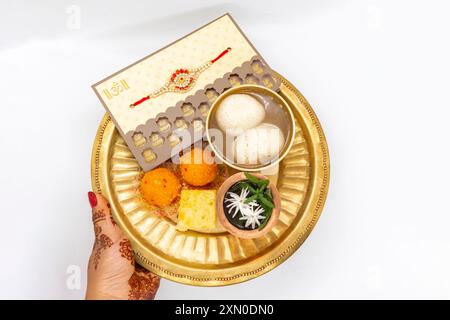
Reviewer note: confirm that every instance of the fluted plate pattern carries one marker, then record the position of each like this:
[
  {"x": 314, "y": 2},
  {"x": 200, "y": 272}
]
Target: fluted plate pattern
[{"x": 210, "y": 259}]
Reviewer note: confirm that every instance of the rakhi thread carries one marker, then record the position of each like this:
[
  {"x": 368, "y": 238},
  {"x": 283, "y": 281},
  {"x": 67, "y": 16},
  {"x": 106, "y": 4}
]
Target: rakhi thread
[{"x": 182, "y": 80}]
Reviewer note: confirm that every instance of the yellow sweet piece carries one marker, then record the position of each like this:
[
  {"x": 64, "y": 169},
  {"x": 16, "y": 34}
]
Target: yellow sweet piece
[{"x": 197, "y": 210}]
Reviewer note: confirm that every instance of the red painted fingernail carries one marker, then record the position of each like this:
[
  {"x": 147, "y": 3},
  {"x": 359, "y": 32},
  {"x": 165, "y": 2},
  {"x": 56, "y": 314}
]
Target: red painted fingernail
[{"x": 92, "y": 199}]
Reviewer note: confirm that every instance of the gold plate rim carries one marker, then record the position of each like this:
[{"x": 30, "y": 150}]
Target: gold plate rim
[{"x": 312, "y": 207}]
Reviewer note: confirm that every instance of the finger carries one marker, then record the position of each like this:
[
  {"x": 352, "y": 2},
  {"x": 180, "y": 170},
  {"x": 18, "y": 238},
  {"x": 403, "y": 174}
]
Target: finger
[
  {"x": 102, "y": 219},
  {"x": 143, "y": 284}
]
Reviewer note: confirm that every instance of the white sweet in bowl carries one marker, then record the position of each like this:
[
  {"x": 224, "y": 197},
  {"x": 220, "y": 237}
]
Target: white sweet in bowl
[
  {"x": 258, "y": 145},
  {"x": 239, "y": 112}
]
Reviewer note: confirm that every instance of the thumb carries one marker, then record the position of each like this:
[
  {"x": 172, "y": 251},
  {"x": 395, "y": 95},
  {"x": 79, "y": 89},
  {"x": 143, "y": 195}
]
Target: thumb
[{"x": 102, "y": 219}]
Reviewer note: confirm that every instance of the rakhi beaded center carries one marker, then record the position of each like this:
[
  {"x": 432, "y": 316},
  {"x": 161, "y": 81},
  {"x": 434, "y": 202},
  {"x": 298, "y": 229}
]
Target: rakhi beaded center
[{"x": 182, "y": 80}]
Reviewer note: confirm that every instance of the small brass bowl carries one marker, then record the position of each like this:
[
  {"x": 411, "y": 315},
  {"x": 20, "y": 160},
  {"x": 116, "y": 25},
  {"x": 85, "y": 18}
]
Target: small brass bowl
[{"x": 249, "y": 89}]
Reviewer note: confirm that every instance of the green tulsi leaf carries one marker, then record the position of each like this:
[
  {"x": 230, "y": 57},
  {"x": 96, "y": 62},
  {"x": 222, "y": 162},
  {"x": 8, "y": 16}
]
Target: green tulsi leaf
[
  {"x": 252, "y": 190},
  {"x": 250, "y": 199},
  {"x": 268, "y": 213},
  {"x": 263, "y": 185},
  {"x": 252, "y": 179},
  {"x": 265, "y": 201},
  {"x": 268, "y": 194}
]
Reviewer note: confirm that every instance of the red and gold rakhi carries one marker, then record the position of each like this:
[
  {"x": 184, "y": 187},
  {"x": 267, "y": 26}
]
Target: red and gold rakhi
[{"x": 182, "y": 80}]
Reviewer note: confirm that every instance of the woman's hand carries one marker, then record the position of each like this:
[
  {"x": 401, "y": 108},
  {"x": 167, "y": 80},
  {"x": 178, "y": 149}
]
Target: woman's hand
[{"x": 112, "y": 271}]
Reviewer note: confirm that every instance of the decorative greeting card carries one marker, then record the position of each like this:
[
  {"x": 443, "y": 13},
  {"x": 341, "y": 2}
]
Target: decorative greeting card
[{"x": 160, "y": 103}]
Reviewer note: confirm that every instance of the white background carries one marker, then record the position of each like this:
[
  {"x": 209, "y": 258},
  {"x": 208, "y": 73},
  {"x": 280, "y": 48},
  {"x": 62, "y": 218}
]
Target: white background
[{"x": 377, "y": 73}]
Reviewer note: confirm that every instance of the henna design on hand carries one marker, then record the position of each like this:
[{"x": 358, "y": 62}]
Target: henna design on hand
[
  {"x": 143, "y": 284},
  {"x": 111, "y": 217},
  {"x": 112, "y": 246},
  {"x": 98, "y": 215},
  {"x": 97, "y": 231},
  {"x": 126, "y": 251},
  {"x": 102, "y": 241}
]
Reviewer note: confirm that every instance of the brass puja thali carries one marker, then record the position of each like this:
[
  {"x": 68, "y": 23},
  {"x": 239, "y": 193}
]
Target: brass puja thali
[{"x": 217, "y": 258}]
